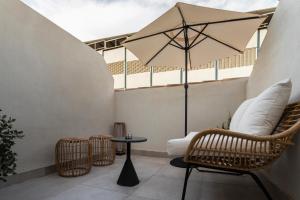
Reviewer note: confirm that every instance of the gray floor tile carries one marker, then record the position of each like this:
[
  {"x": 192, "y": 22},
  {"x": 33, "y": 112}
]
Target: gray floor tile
[
  {"x": 81, "y": 192},
  {"x": 137, "y": 198},
  {"x": 109, "y": 182},
  {"x": 178, "y": 173},
  {"x": 164, "y": 188},
  {"x": 158, "y": 181}
]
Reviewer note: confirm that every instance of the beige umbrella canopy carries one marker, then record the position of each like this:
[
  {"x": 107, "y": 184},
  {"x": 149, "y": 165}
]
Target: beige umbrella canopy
[{"x": 189, "y": 36}]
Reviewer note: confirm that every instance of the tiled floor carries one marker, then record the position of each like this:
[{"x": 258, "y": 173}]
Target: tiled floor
[{"x": 159, "y": 181}]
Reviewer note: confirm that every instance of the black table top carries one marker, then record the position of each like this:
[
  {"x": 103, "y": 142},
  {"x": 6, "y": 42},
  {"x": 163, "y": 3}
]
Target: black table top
[
  {"x": 133, "y": 139},
  {"x": 179, "y": 162}
]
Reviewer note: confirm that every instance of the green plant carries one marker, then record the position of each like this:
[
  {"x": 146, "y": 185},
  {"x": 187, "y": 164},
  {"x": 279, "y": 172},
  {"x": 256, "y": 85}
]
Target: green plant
[
  {"x": 226, "y": 124},
  {"x": 8, "y": 135}
]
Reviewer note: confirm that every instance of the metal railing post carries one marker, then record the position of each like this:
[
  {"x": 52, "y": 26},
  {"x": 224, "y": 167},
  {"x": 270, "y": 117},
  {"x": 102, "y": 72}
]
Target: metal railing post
[
  {"x": 125, "y": 68},
  {"x": 181, "y": 75},
  {"x": 216, "y": 70},
  {"x": 257, "y": 42},
  {"x": 151, "y": 76}
]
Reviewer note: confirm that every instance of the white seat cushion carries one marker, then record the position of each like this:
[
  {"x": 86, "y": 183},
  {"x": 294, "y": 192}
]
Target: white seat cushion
[
  {"x": 178, "y": 147},
  {"x": 261, "y": 115}
]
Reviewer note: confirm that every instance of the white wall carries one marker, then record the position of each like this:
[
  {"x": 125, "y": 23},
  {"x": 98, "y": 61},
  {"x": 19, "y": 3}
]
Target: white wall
[
  {"x": 278, "y": 59},
  {"x": 53, "y": 84},
  {"x": 138, "y": 80},
  {"x": 165, "y": 78},
  {"x": 118, "y": 81},
  {"x": 158, "y": 113},
  {"x": 235, "y": 72}
]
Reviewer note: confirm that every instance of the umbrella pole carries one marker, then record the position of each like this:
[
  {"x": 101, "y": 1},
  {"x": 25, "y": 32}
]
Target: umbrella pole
[{"x": 186, "y": 86}]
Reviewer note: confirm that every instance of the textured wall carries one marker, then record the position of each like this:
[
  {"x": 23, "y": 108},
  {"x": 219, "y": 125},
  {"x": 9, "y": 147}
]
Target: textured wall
[
  {"x": 279, "y": 58},
  {"x": 158, "y": 113},
  {"x": 54, "y": 85}
]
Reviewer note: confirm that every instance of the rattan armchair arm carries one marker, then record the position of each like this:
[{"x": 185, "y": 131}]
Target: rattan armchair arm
[{"x": 224, "y": 148}]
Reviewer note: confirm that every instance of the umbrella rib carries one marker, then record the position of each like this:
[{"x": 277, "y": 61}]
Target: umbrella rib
[
  {"x": 199, "y": 33},
  {"x": 176, "y": 46},
  {"x": 190, "y": 58},
  {"x": 154, "y": 34},
  {"x": 227, "y": 45},
  {"x": 181, "y": 14},
  {"x": 179, "y": 45},
  {"x": 198, "y": 42},
  {"x": 228, "y": 20},
  {"x": 163, "y": 47},
  {"x": 219, "y": 41}
]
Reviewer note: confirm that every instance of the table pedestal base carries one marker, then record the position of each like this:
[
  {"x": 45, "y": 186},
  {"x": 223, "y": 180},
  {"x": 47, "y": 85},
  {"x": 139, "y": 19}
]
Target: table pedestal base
[{"x": 128, "y": 176}]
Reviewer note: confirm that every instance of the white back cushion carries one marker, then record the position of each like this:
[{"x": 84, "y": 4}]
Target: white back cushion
[
  {"x": 239, "y": 113},
  {"x": 263, "y": 113},
  {"x": 257, "y": 116}
]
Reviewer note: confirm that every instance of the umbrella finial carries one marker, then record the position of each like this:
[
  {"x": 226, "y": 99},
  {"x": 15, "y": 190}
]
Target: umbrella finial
[{"x": 177, "y": 4}]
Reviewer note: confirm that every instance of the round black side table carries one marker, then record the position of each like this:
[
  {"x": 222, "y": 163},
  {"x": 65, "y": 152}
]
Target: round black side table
[{"x": 128, "y": 176}]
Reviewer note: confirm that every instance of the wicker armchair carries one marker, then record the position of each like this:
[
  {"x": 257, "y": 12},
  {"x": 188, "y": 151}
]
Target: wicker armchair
[{"x": 238, "y": 153}]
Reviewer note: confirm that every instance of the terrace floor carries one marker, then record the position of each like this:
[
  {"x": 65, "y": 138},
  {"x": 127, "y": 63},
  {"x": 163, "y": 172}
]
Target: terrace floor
[{"x": 159, "y": 181}]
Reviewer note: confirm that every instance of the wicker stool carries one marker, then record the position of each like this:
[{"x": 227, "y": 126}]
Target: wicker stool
[
  {"x": 120, "y": 131},
  {"x": 73, "y": 157},
  {"x": 103, "y": 150}
]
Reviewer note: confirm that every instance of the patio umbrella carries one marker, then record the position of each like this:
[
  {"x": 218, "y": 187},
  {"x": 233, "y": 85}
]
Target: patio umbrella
[{"x": 188, "y": 36}]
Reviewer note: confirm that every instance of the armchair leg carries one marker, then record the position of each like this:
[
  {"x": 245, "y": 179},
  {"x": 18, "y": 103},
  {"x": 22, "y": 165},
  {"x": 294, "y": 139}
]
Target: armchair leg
[
  {"x": 260, "y": 184},
  {"x": 187, "y": 175}
]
